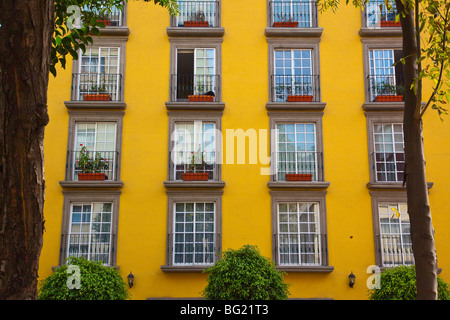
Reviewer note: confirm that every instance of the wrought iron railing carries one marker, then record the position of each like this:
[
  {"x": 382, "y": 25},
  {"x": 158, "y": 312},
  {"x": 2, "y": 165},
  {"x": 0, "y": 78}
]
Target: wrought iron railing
[
  {"x": 386, "y": 88},
  {"x": 295, "y": 88},
  {"x": 299, "y": 166},
  {"x": 187, "y": 165},
  {"x": 301, "y": 249},
  {"x": 96, "y": 87},
  {"x": 377, "y": 14},
  {"x": 299, "y": 14},
  {"x": 395, "y": 249},
  {"x": 195, "y": 88},
  {"x": 388, "y": 166},
  {"x": 198, "y": 14},
  {"x": 99, "y": 166}
]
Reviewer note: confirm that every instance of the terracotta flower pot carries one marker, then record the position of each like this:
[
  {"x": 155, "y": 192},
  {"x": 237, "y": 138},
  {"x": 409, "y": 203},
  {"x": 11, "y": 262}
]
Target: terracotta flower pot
[
  {"x": 389, "y": 98},
  {"x": 96, "y": 97},
  {"x": 300, "y": 98},
  {"x": 91, "y": 176},
  {"x": 200, "y": 98},
  {"x": 390, "y": 24},
  {"x": 298, "y": 177},
  {"x": 286, "y": 24},
  {"x": 196, "y": 23},
  {"x": 189, "y": 176},
  {"x": 105, "y": 22}
]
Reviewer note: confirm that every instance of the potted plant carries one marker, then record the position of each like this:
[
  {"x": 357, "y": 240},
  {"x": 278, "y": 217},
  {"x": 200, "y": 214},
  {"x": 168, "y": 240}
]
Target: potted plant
[
  {"x": 103, "y": 18},
  {"x": 386, "y": 92},
  {"x": 388, "y": 20},
  {"x": 305, "y": 88},
  {"x": 298, "y": 176},
  {"x": 204, "y": 97},
  {"x": 286, "y": 21},
  {"x": 91, "y": 168},
  {"x": 97, "y": 93},
  {"x": 197, "y": 20},
  {"x": 197, "y": 164}
]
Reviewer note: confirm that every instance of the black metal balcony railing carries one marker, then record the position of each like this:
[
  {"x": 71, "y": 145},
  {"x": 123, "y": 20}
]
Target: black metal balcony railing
[
  {"x": 198, "y": 14},
  {"x": 388, "y": 166},
  {"x": 102, "y": 163},
  {"x": 386, "y": 88},
  {"x": 185, "y": 162},
  {"x": 378, "y": 15},
  {"x": 94, "y": 247},
  {"x": 295, "y": 88},
  {"x": 299, "y": 166},
  {"x": 199, "y": 88},
  {"x": 300, "y": 14},
  {"x": 395, "y": 249},
  {"x": 96, "y": 87},
  {"x": 302, "y": 249}
]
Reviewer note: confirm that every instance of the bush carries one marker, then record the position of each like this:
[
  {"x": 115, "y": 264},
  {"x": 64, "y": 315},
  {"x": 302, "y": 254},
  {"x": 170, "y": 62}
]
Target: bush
[
  {"x": 399, "y": 283},
  {"x": 245, "y": 274},
  {"x": 97, "y": 282}
]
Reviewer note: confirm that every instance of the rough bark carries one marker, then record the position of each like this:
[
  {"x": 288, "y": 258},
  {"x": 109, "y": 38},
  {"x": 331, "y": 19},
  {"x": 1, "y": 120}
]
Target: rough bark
[
  {"x": 25, "y": 47},
  {"x": 422, "y": 232}
]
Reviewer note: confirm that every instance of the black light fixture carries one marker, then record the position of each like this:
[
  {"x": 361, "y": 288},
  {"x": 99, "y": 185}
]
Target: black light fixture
[
  {"x": 351, "y": 279},
  {"x": 130, "y": 280}
]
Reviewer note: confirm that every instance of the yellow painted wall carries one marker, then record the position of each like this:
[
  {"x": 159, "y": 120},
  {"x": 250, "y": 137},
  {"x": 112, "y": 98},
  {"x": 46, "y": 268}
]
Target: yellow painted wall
[{"x": 246, "y": 208}]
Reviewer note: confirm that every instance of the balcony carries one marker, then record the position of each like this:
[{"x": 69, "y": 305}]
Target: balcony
[
  {"x": 89, "y": 168},
  {"x": 195, "y": 88},
  {"x": 197, "y": 18},
  {"x": 303, "y": 169},
  {"x": 295, "y": 88},
  {"x": 378, "y": 20},
  {"x": 96, "y": 90},
  {"x": 293, "y": 18},
  {"x": 386, "y": 88}
]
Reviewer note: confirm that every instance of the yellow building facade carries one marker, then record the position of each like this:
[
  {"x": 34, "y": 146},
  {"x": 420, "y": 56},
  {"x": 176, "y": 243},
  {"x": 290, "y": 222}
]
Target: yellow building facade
[{"x": 296, "y": 130}]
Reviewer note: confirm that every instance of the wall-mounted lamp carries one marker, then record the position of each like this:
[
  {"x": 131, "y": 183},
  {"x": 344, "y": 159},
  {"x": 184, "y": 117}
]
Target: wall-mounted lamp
[
  {"x": 130, "y": 280},
  {"x": 351, "y": 279}
]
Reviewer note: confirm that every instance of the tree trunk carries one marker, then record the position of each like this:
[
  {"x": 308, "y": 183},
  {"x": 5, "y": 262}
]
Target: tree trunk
[
  {"x": 25, "y": 46},
  {"x": 422, "y": 232}
]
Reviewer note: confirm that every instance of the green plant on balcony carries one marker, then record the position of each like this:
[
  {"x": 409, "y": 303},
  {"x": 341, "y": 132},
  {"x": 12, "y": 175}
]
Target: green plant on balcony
[
  {"x": 388, "y": 92},
  {"x": 92, "y": 168}
]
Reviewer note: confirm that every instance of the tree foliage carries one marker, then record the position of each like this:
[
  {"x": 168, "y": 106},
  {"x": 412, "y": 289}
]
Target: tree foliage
[
  {"x": 399, "y": 283},
  {"x": 245, "y": 274},
  {"x": 76, "y": 21},
  {"x": 98, "y": 282}
]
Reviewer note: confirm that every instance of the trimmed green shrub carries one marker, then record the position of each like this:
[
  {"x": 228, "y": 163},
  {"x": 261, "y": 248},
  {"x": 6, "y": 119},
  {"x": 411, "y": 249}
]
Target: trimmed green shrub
[
  {"x": 245, "y": 274},
  {"x": 399, "y": 283},
  {"x": 97, "y": 282}
]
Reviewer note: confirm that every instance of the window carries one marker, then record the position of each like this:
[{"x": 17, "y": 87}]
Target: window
[
  {"x": 197, "y": 13},
  {"x": 97, "y": 141},
  {"x": 300, "y": 231},
  {"x": 196, "y": 74},
  {"x": 385, "y": 79},
  {"x": 296, "y": 152},
  {"x": 378, "y": 15},
  {"x": 194, "y": 234},
  {"x": 89, "y": 225},
  {"x": 293, "y": 79},
  {"x": 90, "y": 231},
  {"x": 299, "y": 240},
  {"x": 389, "y": 154},
  {"x": 395, "y": 235},
  {"x": 99, "y": 75},
  {"x": 293, "y": 13},
  {"x": 194, "y": 150},
  {"x": 194, "y": 222},
  {"x": 94, "y": 148}
]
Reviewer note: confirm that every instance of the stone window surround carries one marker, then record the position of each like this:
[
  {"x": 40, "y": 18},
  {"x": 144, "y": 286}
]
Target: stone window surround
[
  {"x": 195, "y": 43},
  {"x": 298, "y": 117},
  {"x": 377, "y": 31},
  {"x": 119, "y": 42},
  {"x": 174, "y": 196},
  {"x": 279, "y": 196},
  {"x": 95, "y": 116},
  {"x": 86, "y": 196},
  {"x": 212, "y": 116},
  {"x": 292, "y": 44},
  {"x": 378, "y": 43}
]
